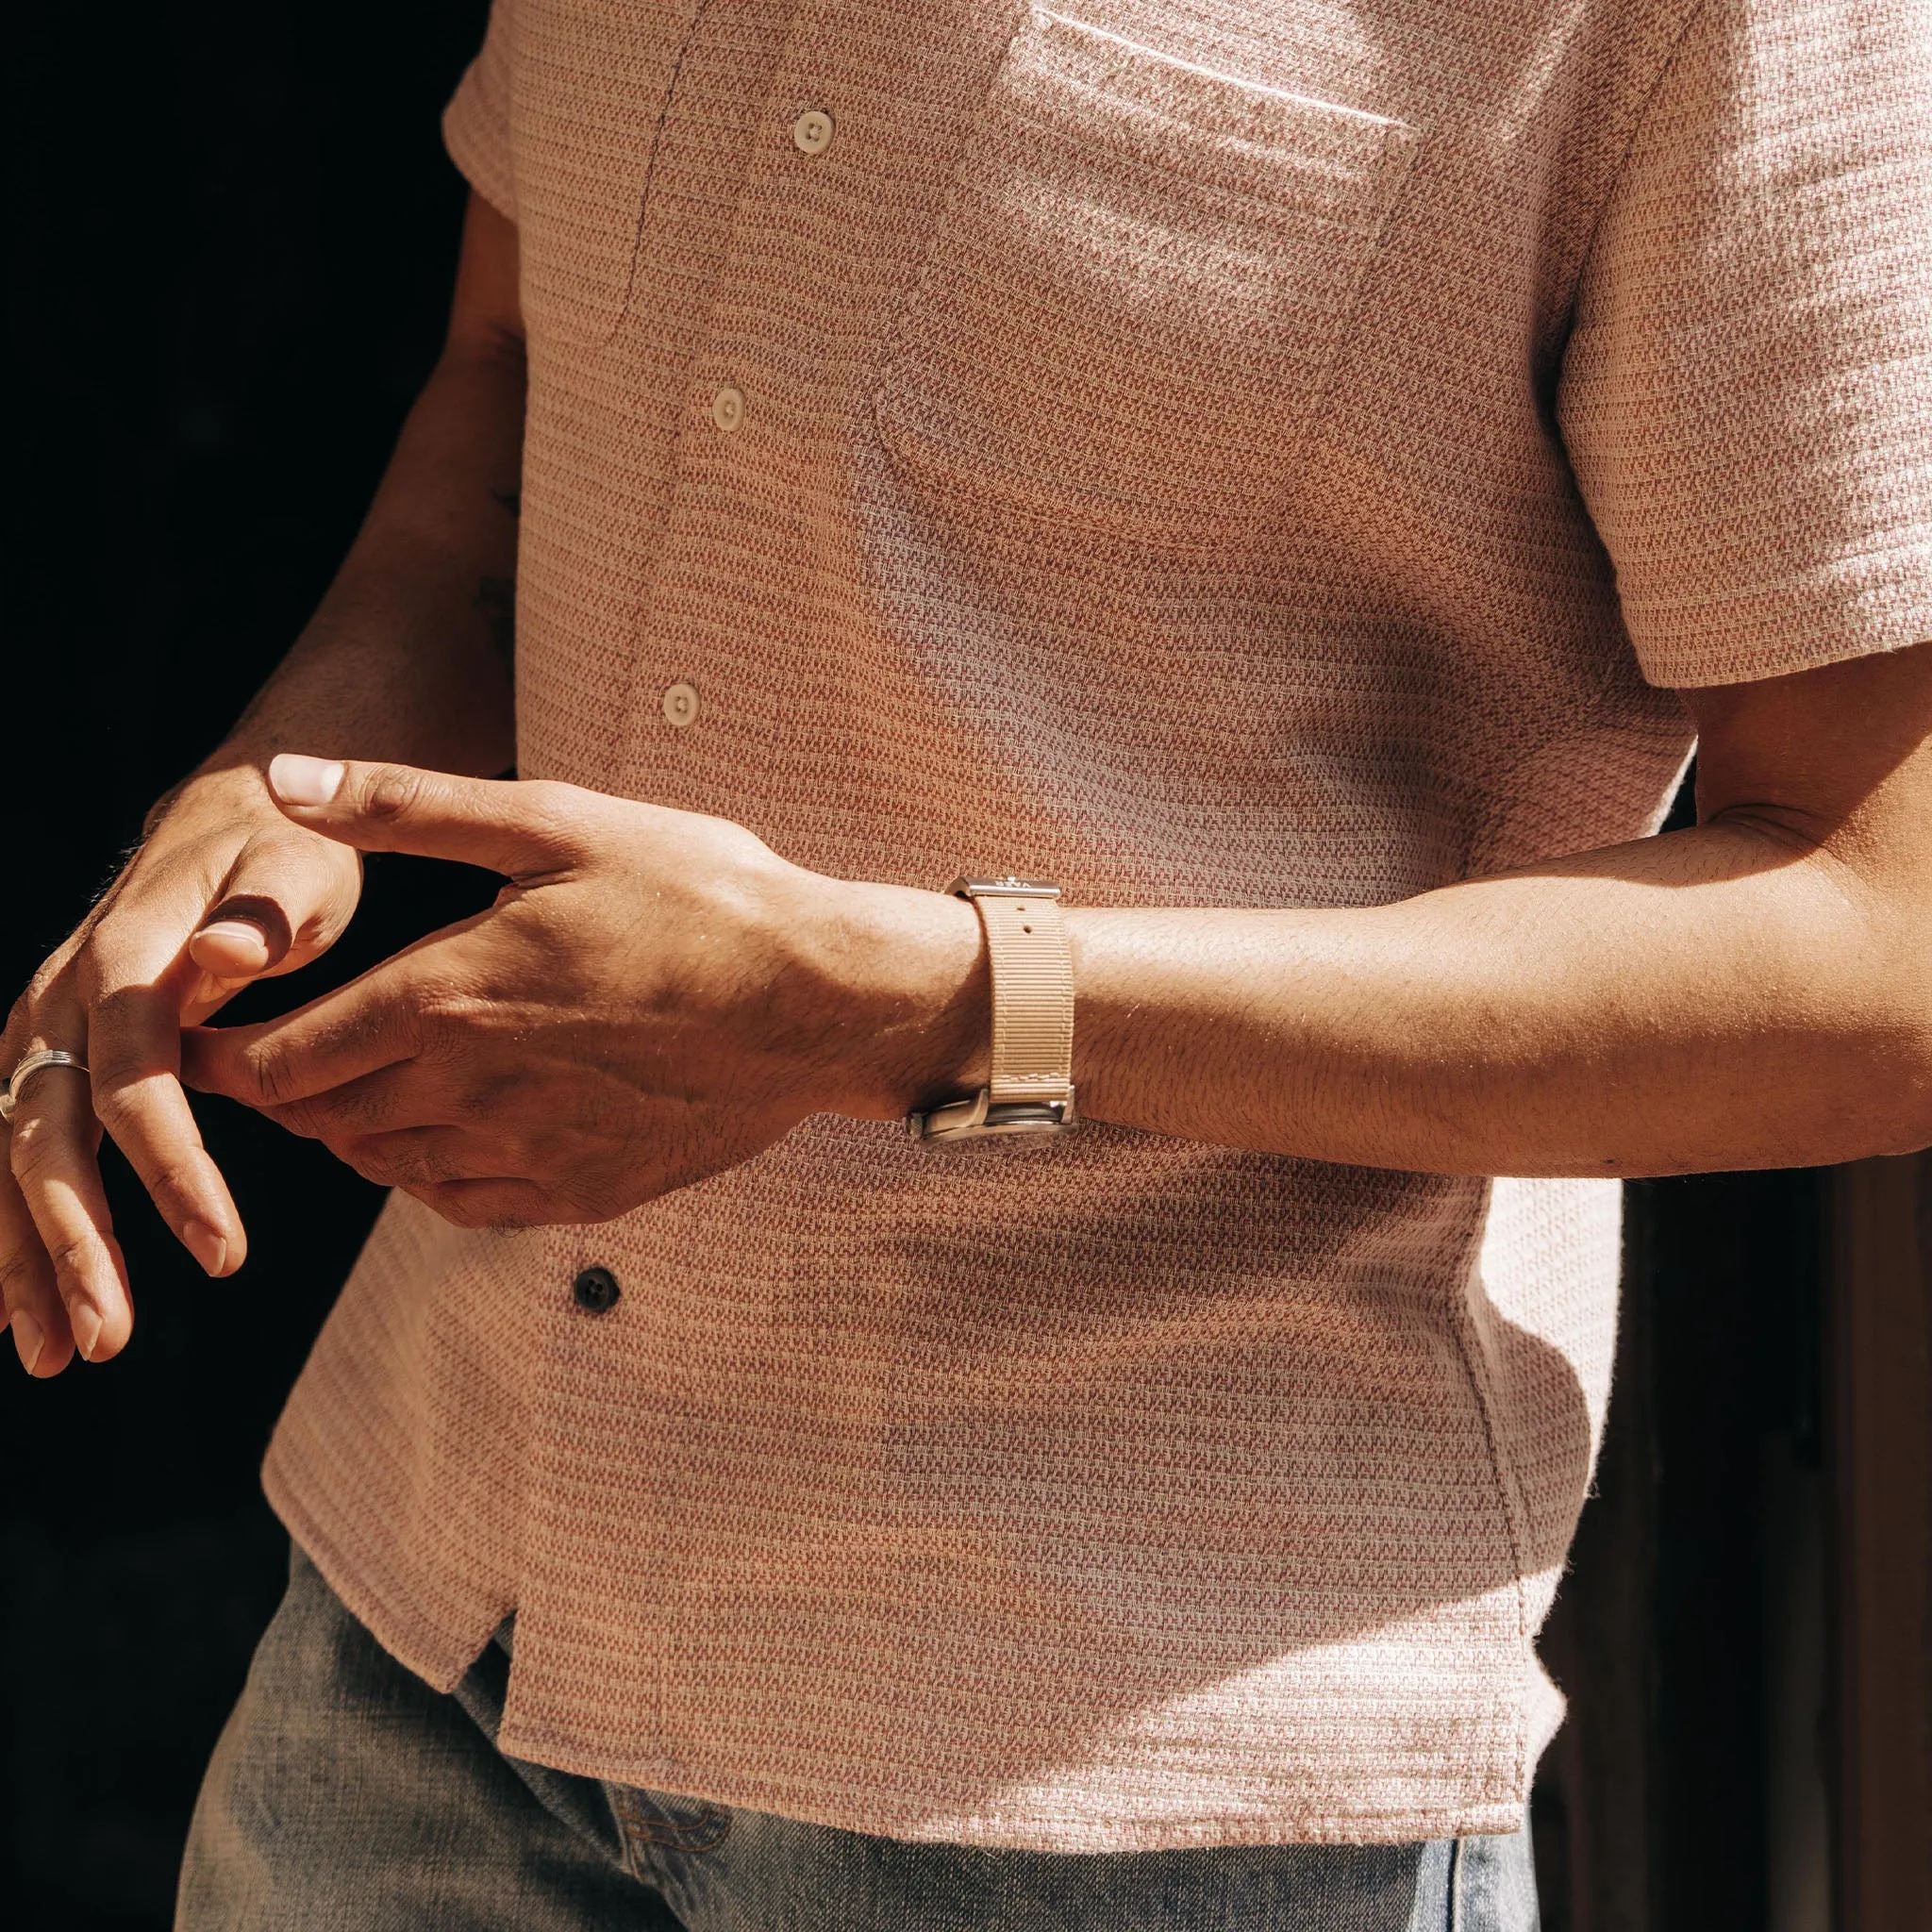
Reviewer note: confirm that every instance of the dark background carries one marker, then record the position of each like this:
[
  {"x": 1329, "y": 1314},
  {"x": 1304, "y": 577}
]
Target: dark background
[
  {"x": 232, "y": 235},
  {"x": 233, "y": 232}
]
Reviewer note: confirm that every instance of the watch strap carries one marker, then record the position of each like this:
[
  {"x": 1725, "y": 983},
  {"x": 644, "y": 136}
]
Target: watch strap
[
  {"x": 1032, "y": 989},
  {"x": 1029, "y": 1086}
]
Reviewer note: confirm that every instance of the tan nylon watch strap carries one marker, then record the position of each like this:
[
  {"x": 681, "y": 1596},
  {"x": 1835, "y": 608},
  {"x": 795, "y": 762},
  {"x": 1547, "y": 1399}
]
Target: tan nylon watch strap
[{"x": 1032, "y": 996}]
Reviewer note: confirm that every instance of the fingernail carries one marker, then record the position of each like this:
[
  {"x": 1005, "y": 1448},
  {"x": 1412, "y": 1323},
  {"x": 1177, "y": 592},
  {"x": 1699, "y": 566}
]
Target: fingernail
[
  {"x": 86, "y": 1323},
  {"x": 237, "y": 931},
  {"x": 298, "y": 780},
  {"x": 205, "y": 1245},
  {"x": 28, "y": 1340}
]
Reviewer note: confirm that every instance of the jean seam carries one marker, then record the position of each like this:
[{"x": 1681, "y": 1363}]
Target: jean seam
[
  {"x": 630, "y": 1834},
  {"x": 704, "y": 1833}
]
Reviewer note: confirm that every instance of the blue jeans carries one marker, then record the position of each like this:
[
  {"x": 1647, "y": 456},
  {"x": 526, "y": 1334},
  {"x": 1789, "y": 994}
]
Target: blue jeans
[{"x": 346, "y": 1795}]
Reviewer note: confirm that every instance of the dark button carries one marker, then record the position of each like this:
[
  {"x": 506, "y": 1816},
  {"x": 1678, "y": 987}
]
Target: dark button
[{"x": 596, "y": 1290}]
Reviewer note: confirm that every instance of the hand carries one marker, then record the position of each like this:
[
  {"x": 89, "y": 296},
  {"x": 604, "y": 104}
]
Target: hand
[
  {"x": 655, "y": 996},
  {"x": 225, "y": 890}
]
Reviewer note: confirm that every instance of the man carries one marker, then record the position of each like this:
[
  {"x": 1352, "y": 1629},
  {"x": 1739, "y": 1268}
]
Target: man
[{"x": 1292, "y": 479}]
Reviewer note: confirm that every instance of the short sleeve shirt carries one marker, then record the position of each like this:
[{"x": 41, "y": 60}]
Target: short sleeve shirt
[{"x": 1256, "y": 454}]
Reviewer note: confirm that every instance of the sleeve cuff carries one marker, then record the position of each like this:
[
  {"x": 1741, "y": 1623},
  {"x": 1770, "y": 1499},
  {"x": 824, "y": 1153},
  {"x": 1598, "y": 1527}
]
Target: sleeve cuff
[
  {"x": 1855, "y": 607},
  {"x": 477, "y": 138}
]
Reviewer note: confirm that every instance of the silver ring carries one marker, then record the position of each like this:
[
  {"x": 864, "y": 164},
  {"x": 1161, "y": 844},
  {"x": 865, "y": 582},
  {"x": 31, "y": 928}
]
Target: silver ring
[{"x": 27, "y": 1068}]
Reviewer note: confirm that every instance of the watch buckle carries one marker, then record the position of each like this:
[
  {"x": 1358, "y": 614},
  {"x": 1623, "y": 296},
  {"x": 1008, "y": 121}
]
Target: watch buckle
[{"x": 981, "y": 1115}]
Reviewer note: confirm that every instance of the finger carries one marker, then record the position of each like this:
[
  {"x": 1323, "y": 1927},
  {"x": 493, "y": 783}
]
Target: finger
[
  {"x": 500, "y": 1202},
  {"x": 393, "y": 1099},
  {"x": 285, "y": 901},
  {"x": 514, "y": 827},
  {"x": 53, "y": 1143},
  {"x": 243, "y": 935},
  {"x": 425, "y": 1157},
  {"x": 34, "y": 1313},
  {"x": 140, "y": 980},
  {"x": 372, "y": 1023},
  {"x": 232, "y": 948},
  {"x": 135, "y": 1050}
]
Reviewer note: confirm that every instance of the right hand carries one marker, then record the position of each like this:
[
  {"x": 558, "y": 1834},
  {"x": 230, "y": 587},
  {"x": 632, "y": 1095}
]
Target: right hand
[{"x": 225, "y": 890}]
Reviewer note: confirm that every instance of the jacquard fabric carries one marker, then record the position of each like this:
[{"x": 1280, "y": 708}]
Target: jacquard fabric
[{"x": 1191, "y": 449}]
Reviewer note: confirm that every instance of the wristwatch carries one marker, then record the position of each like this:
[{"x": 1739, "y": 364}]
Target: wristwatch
[{"x": 1030, "y": 1090}]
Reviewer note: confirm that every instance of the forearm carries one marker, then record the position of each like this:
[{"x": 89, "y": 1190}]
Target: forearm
[
  {"x": 1721, "y": 997},
  {"x": 409, "y": 655}
]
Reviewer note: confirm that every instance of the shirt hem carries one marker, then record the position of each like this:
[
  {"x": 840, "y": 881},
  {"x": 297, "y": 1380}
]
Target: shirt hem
[
  {"x": 404, "y": 1631},
  {"x": 410, "y": 1636},
  {"x": 1088, "y": 1833}
]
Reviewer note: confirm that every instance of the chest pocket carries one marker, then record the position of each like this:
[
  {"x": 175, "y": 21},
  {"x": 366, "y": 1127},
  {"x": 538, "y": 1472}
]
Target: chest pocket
[
  {"x": 1133, "y": 309},
  {"x": 592, "y": 80}
]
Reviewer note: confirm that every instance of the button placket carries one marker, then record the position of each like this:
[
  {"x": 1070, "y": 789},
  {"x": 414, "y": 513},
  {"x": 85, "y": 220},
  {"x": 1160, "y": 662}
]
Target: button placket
[{"x": 811, "y": 130}]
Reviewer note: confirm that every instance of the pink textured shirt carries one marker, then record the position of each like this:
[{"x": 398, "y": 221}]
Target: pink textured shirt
[{"x": 1207, "y": 452}]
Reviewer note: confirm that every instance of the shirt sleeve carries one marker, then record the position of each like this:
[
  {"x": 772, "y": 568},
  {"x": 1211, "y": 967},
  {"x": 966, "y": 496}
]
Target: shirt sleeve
[
  {"x": 1747, "y": 395},
  {"x": 475, "y": 125}
]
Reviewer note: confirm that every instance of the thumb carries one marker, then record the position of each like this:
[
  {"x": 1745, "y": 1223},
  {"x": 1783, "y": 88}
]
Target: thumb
[
  {"x": 504, "y": 825},
  {"x": 285, "y": 900}
]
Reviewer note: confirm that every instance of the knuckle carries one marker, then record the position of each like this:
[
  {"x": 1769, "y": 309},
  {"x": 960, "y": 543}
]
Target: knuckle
[
  {"x": 70, "y": 1256},
  {"x": 97, "y": 967},
  {"x": 390, "y": 792},
  {"x": 171, "y": 1184},
  {"x": 21, "y": 1259},
  {"x": 380, "y": 1165},
  {"x": 342, "y": 1113},
  {"x": 509, "y": 1218},
  {"x": 46, "y": 977},
  {"x": 33, "y": 1150},
  {"x": 301, "y": 1118},
  {"x": 446, "y": 1024},
  {"x": 505, "y": 1208},
  {"x": 481, "y": 1096},
  {"x": 269, "y": 1070},
  {"x": 553, "y": 804},
  {"x": 115, "y": 1105},
  {"x": 42, "y": 991},
  {"x": 588, "y": 1205},
  {"x": 380, "y": 1161},
  {"x": 374, "y": 1167},
  {"x": 553, "y": 814},
  {"x": 113, "y": 930},
  {"x": 116, "y": 1057},
  {"x": 459, "y": 1206}
]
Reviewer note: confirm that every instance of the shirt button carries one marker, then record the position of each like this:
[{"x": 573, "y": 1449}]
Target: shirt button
[
  {"x": 680, "y": 704},
  {"x": 811, "y": 133},
  {"x": 728, "y": 409},
  {"x": 595, "y": 1290}
]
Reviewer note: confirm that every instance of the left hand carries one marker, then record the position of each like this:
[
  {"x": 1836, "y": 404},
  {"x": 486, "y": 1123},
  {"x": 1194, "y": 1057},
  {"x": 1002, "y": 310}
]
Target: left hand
[{"x": 655, "y": 996}]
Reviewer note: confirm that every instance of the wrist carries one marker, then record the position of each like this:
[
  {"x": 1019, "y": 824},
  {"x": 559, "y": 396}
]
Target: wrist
[{"x": 915, "y": 995}]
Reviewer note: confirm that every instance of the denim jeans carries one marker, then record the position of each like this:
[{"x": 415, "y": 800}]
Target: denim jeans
[{"x": 346, "y": 1795}]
